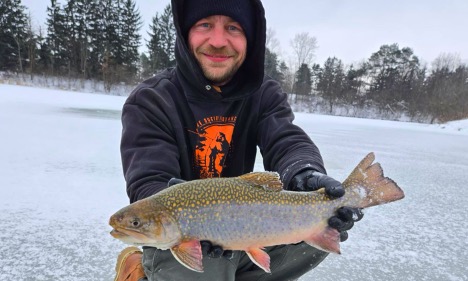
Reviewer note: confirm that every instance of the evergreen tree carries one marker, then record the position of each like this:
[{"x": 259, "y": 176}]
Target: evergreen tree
[
  {"x": 331, "y": 83},
  {"x": 315, "y": 73},
  {"x": 30, "y": 47},
  {"x": 272, "y": 66},
  {"x": 162, "y": 41},
  {"x": 286, "y": 82},
  {"x": 57, "y": 35},
  {"x": 13, "y": 34},
  {"x": 44, "y": 63},
  {"x": 303, "y": 85},
  {"x": 97, "y": 41},
  {"x": 392, "y": 71},
  {"x": 130, "y": 37}
]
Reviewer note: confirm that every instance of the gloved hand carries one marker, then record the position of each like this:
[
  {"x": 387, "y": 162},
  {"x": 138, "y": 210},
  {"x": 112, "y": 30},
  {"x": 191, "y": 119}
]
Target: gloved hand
[
  {"x": 215, "y": 251},
  {"x": 344, "y": 220},
  {"x": 310, "y": 180}
]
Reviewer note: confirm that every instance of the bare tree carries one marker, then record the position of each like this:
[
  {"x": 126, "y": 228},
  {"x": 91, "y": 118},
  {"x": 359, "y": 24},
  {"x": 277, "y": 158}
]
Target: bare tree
[
  {"x": 304, "y": 47},
  {"x": 450, "y": 61},
  {"x": 272, "y": 43}
]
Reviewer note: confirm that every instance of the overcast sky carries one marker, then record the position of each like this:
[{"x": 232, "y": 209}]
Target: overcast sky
[{"x": 351, "y": 30}]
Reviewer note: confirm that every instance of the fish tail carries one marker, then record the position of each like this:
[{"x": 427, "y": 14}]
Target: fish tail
[{"x": 368, "y": 181}]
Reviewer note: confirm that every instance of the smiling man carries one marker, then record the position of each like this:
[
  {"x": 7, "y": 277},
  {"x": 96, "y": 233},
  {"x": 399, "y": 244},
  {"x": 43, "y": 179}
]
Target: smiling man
[
  {"x": 206, "y": 118},
  {"x": 220, "y": 47}
]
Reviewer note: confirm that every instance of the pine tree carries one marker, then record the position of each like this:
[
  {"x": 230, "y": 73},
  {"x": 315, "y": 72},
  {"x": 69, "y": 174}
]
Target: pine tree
[
  {"x": 272, "y": 66},
  {"x": 57, "y": 35},
  {"x": 391, "y": 73},
  {"x": 162, "y": 41},
  {"x": 97, "y": 43},
  {"x": 13, "y": 34},
  {"x": 303, "y": 85},
  {"x": 130, "y": 36},
  {"x": 331, "y": 83}
]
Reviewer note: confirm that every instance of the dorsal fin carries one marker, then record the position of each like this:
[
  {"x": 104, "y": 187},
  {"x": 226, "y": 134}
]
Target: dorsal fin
[{"x": 270, "y": 181}]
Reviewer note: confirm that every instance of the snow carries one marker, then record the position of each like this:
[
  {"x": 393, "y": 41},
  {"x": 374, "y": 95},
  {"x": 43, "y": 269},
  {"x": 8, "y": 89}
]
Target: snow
[{"x": 61, "y": 180}]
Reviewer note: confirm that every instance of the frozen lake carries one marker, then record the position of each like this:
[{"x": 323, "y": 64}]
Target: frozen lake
[{"x": 61, "y": 179}]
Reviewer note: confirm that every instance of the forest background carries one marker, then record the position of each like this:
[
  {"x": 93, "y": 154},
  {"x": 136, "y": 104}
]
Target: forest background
[{"x": 96, "y": 46}]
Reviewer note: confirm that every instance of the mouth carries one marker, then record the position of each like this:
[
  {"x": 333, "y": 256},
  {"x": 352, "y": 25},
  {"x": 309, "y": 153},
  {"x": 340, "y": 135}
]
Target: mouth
[
  {"x": 217, "y": 58},
  {"x": 119, "y": 234},
  {"x": 127, "y": 234}
]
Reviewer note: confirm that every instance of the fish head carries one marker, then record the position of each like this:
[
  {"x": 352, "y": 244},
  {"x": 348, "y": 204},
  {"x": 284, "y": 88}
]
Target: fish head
[{"x": 145, "y": 223}]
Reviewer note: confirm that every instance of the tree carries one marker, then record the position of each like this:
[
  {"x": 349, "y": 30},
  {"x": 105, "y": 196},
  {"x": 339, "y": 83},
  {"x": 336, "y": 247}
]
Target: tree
[
  {"x": 304, "y": 47},
  {"x": 331, "y": 85},
  {"x": 287, "y": 81},
  {"x": 13, "y": 34},
  {"x": 392, "y": 72},
  {"x": 303, "y": 85},
  {"x": 446, "y": 94},
  {"x": 162, "y": 41},
  {"x": 272, "y": 42},
  {"x": 57, "y": 37},
  {"x": 272, "y": 66},
  {"x": 130, "y": 36}
]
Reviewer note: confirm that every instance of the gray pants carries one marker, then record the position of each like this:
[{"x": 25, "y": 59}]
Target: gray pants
[{"x": 288, "y": 262}]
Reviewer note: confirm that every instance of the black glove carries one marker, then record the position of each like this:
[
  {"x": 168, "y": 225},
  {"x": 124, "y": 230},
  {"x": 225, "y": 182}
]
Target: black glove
[
  {"x": 344, "y": 220},
  {"x": 215, "y": 251},
  {"x": 310, "y": 180}
]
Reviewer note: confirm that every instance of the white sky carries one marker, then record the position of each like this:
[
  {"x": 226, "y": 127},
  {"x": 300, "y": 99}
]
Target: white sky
[{"x": 350, "y": 30}]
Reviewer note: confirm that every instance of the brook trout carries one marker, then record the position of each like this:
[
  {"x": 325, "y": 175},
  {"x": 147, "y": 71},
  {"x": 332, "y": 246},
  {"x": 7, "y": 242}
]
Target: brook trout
[{"x": 246, "y": 213}]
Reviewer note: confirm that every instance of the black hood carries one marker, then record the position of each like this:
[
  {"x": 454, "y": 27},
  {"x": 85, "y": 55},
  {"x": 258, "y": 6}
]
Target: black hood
[{"x": 249, "y": 77}]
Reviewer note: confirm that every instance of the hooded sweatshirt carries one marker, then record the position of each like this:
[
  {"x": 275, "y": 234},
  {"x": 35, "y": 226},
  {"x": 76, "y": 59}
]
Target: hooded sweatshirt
[{"x": 177, "y": 125}]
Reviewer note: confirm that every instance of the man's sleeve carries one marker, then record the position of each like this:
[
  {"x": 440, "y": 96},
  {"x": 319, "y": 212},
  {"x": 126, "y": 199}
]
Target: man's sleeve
[
  {"x": 148, "y": 148},
  {"x": 285, "y": 147}
]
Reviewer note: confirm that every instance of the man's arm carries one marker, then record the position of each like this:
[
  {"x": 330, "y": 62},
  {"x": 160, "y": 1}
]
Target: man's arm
[
  {"x": 148, "y": 149},
  {"x": 285, "y": 147}
]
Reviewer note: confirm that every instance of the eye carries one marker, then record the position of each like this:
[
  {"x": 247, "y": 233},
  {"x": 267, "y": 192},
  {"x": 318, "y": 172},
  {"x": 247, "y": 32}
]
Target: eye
[
  {"x": 234, "y": 28},
  {"x": 135, "y": 222}
]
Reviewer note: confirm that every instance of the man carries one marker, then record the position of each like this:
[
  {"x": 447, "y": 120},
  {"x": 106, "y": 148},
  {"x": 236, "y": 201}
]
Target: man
[{"x": 206, "y": 118}]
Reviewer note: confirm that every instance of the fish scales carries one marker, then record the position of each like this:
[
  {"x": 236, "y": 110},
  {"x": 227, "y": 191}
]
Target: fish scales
[{"x": 246, "y": 213}]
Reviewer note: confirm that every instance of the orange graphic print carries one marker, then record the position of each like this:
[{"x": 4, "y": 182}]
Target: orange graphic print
[{"x": 212, "y": 148}]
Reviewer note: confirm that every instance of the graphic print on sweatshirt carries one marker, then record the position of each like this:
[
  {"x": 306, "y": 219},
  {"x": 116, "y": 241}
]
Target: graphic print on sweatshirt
[{"x": 214, "y": 139}]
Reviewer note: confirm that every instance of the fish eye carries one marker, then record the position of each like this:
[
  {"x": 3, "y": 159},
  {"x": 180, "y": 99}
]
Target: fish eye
[{"x": 135, "y": 222}]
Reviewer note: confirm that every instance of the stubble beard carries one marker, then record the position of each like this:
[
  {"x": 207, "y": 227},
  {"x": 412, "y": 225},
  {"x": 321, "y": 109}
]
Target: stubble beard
[{"x": 217, "y": 73}]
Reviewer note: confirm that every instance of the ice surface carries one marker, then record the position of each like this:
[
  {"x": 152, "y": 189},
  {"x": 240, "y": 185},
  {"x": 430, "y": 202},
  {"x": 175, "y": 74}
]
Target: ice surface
[{"x": 61, "y": 180}]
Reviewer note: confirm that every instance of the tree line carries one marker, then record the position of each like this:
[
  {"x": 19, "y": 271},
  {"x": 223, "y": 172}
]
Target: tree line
[
  {"x": 391, "y": 82},
  {"x": 100, "y": 40}
]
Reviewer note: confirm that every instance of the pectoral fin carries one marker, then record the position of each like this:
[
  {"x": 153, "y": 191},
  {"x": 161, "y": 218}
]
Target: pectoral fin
[
  {"x": 189, "y": 254},
  {"x": 260, "y": 258}
]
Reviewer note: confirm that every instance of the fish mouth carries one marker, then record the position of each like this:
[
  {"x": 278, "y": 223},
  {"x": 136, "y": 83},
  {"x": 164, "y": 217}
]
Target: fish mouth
[
  {"x": 119, "y": 234},
  {"x": 128, "y": 235}
]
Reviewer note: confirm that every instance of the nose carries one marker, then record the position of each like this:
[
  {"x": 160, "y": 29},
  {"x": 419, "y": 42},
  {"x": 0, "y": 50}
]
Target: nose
[{"x": 218, "y": 37}]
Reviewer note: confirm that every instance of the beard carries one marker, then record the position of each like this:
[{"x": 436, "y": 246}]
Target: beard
[{"x": 218, "y": 73}]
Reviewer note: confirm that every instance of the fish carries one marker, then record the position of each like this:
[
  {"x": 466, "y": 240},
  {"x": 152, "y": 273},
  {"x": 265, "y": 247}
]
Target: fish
[{"x": 246, "y": 213}]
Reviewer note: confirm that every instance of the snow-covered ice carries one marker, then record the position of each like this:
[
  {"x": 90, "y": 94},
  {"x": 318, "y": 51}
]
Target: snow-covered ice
[{"x": 61, "y": 179}]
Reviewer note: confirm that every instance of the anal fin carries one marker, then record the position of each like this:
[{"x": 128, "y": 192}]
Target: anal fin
[
  {"x": 260, "y": 258},
  {"x": 189, "y": 254}
]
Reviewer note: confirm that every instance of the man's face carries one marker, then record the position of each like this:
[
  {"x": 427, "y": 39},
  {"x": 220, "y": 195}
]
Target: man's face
[{"x": 220, "y": 47}]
